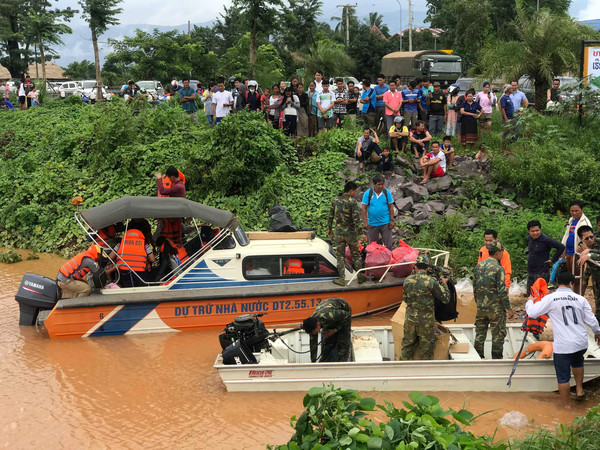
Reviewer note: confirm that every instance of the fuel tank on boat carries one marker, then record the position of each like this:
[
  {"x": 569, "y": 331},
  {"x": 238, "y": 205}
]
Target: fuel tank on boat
[{"x": 36, "y": 293}]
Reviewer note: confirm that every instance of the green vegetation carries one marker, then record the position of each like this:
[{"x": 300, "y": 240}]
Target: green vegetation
[
  {"x": 336, "y": 418},
  {"x": 245, "y": 166}
]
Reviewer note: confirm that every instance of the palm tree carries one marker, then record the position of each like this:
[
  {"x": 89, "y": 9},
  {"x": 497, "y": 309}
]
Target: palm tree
[
  {"x": 328, "y": 57},
  {"x": 547, "y": 45},
  {"x": 375, "y": 20}
]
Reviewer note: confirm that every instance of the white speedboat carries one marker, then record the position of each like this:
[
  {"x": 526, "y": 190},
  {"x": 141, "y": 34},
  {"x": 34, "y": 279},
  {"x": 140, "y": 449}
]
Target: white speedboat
[{"x": 374, "y": 366}]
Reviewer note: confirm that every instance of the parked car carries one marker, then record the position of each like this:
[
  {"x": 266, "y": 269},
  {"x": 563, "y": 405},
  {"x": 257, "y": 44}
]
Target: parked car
[
  {"x": 68, "y": 88},
  {"x": 346, "y": 79},
  {"x": 527, "y": 87},
  {"x": 152, "y": 87},
  {"x": 89, "y": 89},
  {"x": 464, "y": 84}
]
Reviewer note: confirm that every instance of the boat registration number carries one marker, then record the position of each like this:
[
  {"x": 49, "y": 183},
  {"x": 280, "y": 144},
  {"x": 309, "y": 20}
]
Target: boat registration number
[{"x": 260, "y": 373}]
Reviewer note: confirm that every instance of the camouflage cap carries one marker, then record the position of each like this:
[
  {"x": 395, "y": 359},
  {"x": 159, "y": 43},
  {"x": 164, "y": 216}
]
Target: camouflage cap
[
  {"x": 495, "y": 246},
  {"x": 422, "y": 259}
]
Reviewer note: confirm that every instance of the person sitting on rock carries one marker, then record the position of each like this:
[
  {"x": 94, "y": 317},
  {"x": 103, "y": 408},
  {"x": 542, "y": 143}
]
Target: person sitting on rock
[
  {"x": 433, "y": 163},
  {"x": 448, "y": 150},
  {"x": 387, "y": 162},
  {"x": 420, "y": 138}
]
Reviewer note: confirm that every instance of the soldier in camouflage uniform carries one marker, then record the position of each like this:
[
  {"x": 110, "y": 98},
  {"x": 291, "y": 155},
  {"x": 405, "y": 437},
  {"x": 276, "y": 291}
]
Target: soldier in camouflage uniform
[
  {"x": 491, "y": 297},
  {"x": 591, "y": 247},
  {"x": 334, "y": 318},
  {"x": 420, "y": 292},
  {"x": 344, "y": 210}
]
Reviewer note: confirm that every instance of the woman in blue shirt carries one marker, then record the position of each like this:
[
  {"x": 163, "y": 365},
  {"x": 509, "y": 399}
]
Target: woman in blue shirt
[{"x": 470, "y": 112}]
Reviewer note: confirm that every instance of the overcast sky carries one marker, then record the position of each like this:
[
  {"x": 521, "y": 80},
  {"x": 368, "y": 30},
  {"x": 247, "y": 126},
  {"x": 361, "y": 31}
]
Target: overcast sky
[{"x": 160, "y": 12}]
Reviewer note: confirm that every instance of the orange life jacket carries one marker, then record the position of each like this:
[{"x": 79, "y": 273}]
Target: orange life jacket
[
  {"x": 181, "y": 252},
  {"x": 72, "y": 268},
  {"x": 167, "y": 183},
  {"x": 538, "y": 290},
  {"x": 171, "y": 230},
  {"x": 104, "y": 234},
  {"x": 292, "y": 266},
  {"x": 132, "y": 251}
]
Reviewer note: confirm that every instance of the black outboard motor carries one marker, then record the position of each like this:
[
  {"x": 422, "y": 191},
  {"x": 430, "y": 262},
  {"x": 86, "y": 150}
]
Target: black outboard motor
[
  {"x": 36, "y": 293},
  {"x": 245, "y": 335}
]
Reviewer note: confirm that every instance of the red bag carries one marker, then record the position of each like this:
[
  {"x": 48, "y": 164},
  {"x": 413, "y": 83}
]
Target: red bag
[
  {"x": 404, "y": 253},
  {"x": 349, "y": 255},
  {"x": 377, "y": 255}
]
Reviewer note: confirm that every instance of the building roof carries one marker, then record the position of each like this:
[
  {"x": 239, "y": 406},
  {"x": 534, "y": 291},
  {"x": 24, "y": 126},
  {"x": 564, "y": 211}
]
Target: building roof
[
  {"x": 4, "y": 73},
  {"x": 53, "y": 71}
]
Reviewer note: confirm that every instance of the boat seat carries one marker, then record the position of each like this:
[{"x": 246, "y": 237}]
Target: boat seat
[
  {"x": 365, "y": 346},
  {"x": 471, "y": 355}
]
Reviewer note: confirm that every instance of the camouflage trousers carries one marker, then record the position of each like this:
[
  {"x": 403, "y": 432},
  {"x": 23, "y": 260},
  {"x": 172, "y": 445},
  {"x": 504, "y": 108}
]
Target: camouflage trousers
[
  {"x": 337, "y": 347},
  {"x": 495, "y": 319},
  {"x": 340, "y": 242},
  {"x": 421, "y": 334},
  {"x": 596, "y": 289}
]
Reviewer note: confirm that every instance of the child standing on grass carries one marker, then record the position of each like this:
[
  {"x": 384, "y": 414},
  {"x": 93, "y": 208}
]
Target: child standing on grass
[{"x": 448, "y": 150}]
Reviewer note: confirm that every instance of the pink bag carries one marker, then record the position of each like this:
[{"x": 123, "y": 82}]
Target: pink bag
[
  {"x": 404, "y": 253},
  {"x": 377, "y": 255}
]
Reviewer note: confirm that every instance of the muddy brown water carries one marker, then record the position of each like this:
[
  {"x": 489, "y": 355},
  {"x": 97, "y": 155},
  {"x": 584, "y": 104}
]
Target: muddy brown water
[{"x": 161, "y": 390}]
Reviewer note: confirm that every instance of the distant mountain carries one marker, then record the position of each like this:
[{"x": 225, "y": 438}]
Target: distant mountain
[{"x": 594, "y": 23}]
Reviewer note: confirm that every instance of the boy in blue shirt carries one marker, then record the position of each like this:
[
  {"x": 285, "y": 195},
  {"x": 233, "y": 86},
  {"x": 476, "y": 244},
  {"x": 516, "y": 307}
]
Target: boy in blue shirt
[
  {"x": 423, "y": 106},
  {"x": 410, "y": 98},
  {"x": 448, "y": 151},
  {"x": 367, "y": 102}
]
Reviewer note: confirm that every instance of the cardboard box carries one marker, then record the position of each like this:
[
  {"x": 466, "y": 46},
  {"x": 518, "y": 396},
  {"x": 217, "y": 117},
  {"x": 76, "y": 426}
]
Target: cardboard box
[
  {"x": 442, "y": 343},
  {"x": 460, "y": 347}
]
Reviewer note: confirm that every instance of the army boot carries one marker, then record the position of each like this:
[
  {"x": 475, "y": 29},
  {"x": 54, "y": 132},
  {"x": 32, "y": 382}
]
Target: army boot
[{"x": 340, "y": 281}]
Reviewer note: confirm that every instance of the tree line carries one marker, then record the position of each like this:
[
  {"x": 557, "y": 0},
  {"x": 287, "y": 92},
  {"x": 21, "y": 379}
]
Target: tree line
[{"x": 271, "y": 40}]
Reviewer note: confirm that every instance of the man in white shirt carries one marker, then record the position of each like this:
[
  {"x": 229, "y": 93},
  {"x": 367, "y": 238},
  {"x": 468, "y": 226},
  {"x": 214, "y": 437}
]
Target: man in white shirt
[
  {"x": 569, "y": 314},
  {"x": 222, "y": 101},
  {"x": 433, "y": 163},
  {"x": 318, "y": 81}
]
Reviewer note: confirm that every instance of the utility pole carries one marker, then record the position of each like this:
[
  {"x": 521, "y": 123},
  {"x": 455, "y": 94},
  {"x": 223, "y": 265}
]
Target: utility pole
[
  {"x": 400, "y": 7},
  {"x": 409, "y": 26},
  {"x": 346, "y": 13}
]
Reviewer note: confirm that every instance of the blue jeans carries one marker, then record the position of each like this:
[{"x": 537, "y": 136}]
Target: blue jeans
[{"x": 210, "y": 119}]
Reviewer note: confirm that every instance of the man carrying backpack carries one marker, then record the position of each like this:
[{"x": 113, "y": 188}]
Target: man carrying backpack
[
  {"x": 420, "y": 293},
  {"x": 378, "y": 212}
]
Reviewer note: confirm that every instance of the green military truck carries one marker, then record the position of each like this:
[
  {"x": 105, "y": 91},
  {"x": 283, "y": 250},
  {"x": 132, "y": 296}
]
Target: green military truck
[{"x": 434, "y": 64}]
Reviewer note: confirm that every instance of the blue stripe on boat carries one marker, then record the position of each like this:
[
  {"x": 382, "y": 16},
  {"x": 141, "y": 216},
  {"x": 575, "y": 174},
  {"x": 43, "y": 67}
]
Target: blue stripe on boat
[{"x": 124, "y": 319}]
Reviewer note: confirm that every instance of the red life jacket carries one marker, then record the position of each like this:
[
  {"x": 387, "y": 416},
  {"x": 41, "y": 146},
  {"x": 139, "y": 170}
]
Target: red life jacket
[
  {"x": 132, "y": 251},
  {"x": 172, "y": 230},
  {"x": 72, "y": 268},
  {"x": 538, "y": 290},
  {"x": 181, "y": 252},
  {"x": 293, "y": 266},
  {"x": 167, "y": 183}
]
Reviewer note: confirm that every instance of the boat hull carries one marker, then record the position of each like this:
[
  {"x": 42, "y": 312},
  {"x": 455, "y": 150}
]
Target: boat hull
[
  {"x": 105, "y": 317},
  {"x": 462, "y": 372}
]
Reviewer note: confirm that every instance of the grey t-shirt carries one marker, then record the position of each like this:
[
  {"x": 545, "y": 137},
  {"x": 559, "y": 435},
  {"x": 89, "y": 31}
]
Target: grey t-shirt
[
  {"x": 363, "y": 143},
  {"x": 208, "y": 105}
]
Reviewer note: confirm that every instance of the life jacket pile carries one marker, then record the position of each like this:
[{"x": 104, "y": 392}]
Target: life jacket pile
[
  {"x": 293, "y": 266},
  {"x": 132, "y": 251},
  {"x": 73, "y": 268},
  {"x": 536, "y": 326}
]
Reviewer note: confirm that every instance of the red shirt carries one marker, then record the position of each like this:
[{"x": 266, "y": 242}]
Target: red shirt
[{"x": 177, "y": 189}]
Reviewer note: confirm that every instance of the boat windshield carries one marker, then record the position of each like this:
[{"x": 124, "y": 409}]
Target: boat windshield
[{"x": 240, "y": 236}]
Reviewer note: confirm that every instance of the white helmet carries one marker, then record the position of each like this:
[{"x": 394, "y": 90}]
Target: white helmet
[
  {"x": 252, "y": 83},
  {"x": 174, "y": 83}
]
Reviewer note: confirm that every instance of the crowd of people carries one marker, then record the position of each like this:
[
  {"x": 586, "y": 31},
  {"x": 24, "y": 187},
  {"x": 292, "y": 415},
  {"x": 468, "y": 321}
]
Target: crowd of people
[
  {"x": 576, "y": 260},
  {"x": 27, "y": 94}
]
